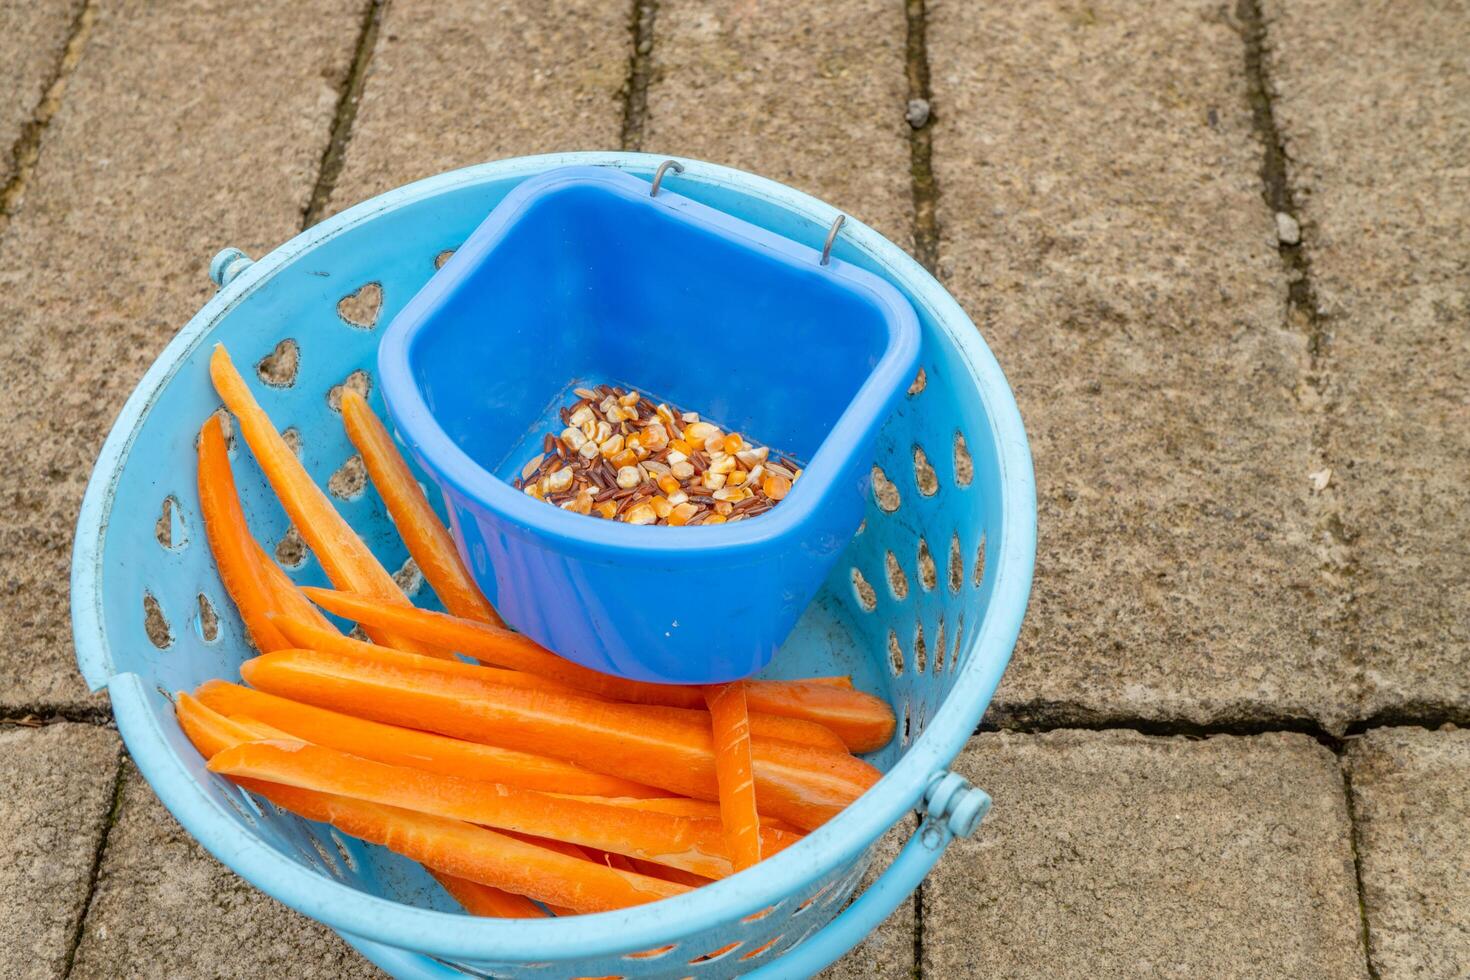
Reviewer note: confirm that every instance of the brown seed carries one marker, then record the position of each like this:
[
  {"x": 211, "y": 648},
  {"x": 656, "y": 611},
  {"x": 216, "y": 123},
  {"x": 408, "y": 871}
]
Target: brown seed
[
  {"x": 548, "y": 443},
  {"x": 606, "y": 494}
]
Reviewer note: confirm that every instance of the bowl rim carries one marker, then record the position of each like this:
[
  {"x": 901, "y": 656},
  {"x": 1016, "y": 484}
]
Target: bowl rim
[
  {"x": 613, "y": 541},
  {"x": 453, "y": 935}
]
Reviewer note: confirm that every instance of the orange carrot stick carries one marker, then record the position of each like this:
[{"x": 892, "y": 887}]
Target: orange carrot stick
[
  {"x": 683, "y": 806},
  {"x": 466, "y": 851},
  {"x": 427, "y": 540},
  {"x": 730, "y": 726},
  {"x": 420, "y": 750},
  {"x": 797, "y": 730},
  {"x": 494, "y": 903},
  {"x": 681, "y": 842},
  {"x": 288, "y": 599},
  {"x": 230, "y": 541},
  {"x": 801, "y": 785},
  {"x": 307, "y": 637},
  {"x": 210, "y": 731},
  {"x": 344, "y": 557},
  {"x": 669, "y": 874},
  {"x": 862, "y": 721}
]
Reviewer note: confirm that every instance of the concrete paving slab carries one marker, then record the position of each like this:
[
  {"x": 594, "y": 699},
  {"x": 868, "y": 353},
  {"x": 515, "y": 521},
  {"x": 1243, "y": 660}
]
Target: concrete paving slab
[
  {"x": 1112, "y": 854},
  {"x": 56, "y": 796},
  {"x": 1102, "y": 220},
  {"x": 1411, "y": 803},
  {"x": 32, "y": 40},
  {"x": 808, "y": 93},
  {"x": 165, "y": 908},
  {"x": 889, "y": 950},
  {"x": 185, "y": 128},
  {"x": 462, "y": 82},
  {"x": 1374, "y": 107}
]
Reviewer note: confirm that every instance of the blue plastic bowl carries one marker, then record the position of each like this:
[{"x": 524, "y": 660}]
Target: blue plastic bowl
[{"x": 583, "y": 275}]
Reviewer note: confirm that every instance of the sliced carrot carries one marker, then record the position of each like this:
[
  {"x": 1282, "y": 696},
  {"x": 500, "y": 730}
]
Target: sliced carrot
[
  {"x": 420, "y": 750},
  {"x": 797, "y": 730},
  {"x": 230, "y": 541},
  {"x": 682, "y": 842},
  {"x": 669, "y": 874},
  {"x": 799, "y": 784},
  {"x": 346, "y": 559},
  {"x": 683, "y": 806},
  {"x": 465, "y": 851},
  {"x": 289, "y": 600},
  {"x": 210, "y": 731},
  {"x": 862, "y": 721},
  {"x": 427, "y": 540},
  {"x": 308, "y": 637},
  {"x": 731, "y": 731},
  {"x": 494, "y": 903}
]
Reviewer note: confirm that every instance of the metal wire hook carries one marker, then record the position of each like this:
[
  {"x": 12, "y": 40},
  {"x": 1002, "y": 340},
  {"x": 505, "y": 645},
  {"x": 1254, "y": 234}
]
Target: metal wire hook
[
  {"x": 837, "y": 223},
  {"x": 658, "y": 175}
]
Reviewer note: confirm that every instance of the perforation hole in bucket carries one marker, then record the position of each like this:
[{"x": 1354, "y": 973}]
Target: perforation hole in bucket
[
  {"x": 717, "y": 954},
  {"x": 343, "y": 851},
  {"x": 895, "y": 654},
  {"x": 359, "y": 381},
  {"x": 921, "y": 649},
  {"x": 169, "y": 529},
  {"x": 956, "y": 564},
  {"x": 863, "y": 590},
  {"x": 442, "y": 257},
  {"x": 964, "y": 466},
  {"x": 206, "y": 622},
  {"x": 652, "y": 954},
  {"x": 959, "y": 639},
  {"x": 903, "y": 739},
  {"x": 409, "y": 577},
  {"x": 928, "y": 574},
  {"x": 234, "y": 804},
  {"x": 884, "y": 492},
  {"x": 924, "y": 476},
  {"x": 761, "y": 948},
  {"x": 979, "y": 573},
  {"x": 921, "y": 718},
  {"x": 325, "y": 858},
  {"x": 227, "y": 426},
  {"x": 813, "y": 900},
  {"x": 939, "y": 647},
  {"x": 921, "y": 381},
  {"x": 155, "y": 624},
  {"x": 898, "y": 582},
  {"x": 292, "y": 438},
  {"x": 361, "y": 308},
  {"x": 291, "y": 550},
  {"x": 280, "y": 367},
  {"x": 757, "y": 916},
  {"x": 350, "y": 479}
]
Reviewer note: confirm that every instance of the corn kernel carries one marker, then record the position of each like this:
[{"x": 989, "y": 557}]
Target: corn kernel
[
  {"x": 683, "y": 469},
  {"x": 668, "y": 483},
  {"x": 776, "y": 487},
  {"x": 627, "y": 477},
  {"x": 558, "y": 481},
  {"x": 715, "y": 519},
  {"x": 588, "y": 449},
  {"x": 534, "y": 490},
  {"x": 581, "y": 416},
  {"x": 581, "y": 503},
  {"x": 697, "y": 432},
  {"x": 678, "y": 497},
  {"x": 714, "y": 443},
  {"x": 640, "y": 514},
  {"x": 713, "y": 480},
  {"x": 736, "y": 477},
  {"x": 607, "y": 509},
  {"x": 612, "y": 446},
  {"x": 681, "y": 513},
  {"x": 724, "y": 466},
  {"x": 655, "y": 437},
  {"x": 631, "y": 398},
  {"x": 726, "y": 493},
  {"x": 604, "y": 430},
  {"x": 751, "y": 457},
  {"x": 661, "y": 506},
  {"x": 681, "y": 447},
  {"x": 624, "y": 458},
  {"x": 573, "y": 438},
  {"x": 733, "y": 442},
  {"x": 724, "y": 507}
]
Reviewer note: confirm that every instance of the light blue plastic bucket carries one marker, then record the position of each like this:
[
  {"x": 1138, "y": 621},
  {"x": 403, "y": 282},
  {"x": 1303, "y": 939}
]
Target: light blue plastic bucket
[{"x": 923, "y": 607}]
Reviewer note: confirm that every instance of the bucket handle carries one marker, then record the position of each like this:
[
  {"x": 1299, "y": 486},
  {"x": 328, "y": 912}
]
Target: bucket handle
[{"x": 953, "y": 808}]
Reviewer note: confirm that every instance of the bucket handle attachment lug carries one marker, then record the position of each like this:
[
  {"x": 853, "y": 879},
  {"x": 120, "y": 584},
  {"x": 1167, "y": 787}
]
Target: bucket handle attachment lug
[
  {"x": 837, "y": 224},
  {"x": 228, "y": 264},
  {"x": 658, "y": 175}
]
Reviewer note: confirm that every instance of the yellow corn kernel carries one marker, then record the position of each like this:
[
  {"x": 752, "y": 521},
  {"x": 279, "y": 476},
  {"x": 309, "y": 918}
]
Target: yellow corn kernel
[
  {"x": 776, "y": 487},
  {"x": 698, "y": 432},
  {"x": 668, "y": 483},
  {"x": 733, "y": 442},
  {"x": 661, "y": 506},
  {"x": 607, "y": 509},
  {"x": 624, "y": 458},
  {"x": 680, "y": 446},
  {"x": 713, "y": 480},
  {"x": 736, "y": 478},
  {"x": 715, "y": 519},
  {"x": 724, "y": 507},
  {"x": 681, "y": 513},
  {"x": 640, "y": 514}
]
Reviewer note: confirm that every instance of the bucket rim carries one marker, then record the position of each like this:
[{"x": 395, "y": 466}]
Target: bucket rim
[{"x": 456, "y": 936}]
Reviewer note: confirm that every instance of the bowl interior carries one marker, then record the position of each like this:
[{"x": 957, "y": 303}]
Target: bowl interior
[
  {"x": 900, "y": 612},
  {"x": 579, "y": 276}
]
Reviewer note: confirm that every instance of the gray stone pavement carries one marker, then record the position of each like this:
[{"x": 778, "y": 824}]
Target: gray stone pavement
[
  {"x": 1411, "y": 803},
  {"x": 1372, "y": 108},
  {"x": 56, "y": 799},
  {"x": 1251, "y": 453}
]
